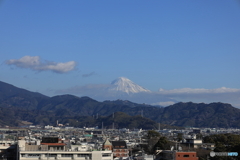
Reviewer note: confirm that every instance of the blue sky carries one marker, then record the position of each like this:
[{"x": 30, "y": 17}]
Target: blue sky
[{"x": 46, "y": 46}]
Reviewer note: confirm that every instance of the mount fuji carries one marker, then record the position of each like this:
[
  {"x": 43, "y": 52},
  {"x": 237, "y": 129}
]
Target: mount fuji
[
  {"x": 125, "y": 85},
  {"x": 120, "y": 89}
]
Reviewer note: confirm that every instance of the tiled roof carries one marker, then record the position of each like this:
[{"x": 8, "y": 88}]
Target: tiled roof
[{"x": 119, "y": 144}]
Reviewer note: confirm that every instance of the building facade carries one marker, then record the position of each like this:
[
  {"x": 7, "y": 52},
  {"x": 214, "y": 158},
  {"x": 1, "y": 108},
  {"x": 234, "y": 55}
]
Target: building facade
[
  {"x": 177, "y": 155},
  {"x": 50, "y": 151}
]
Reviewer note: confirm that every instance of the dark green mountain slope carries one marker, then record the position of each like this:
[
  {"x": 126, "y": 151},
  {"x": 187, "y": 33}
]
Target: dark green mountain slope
[
  {"x": 69, "y": 105},
  {"x": 200, "y": 115},
  {"x": 11, "y": 96},
  {"x": 180, "y": 114},
  {"x": 120, "y": 120},
  {"x": 23, "y": 105}
]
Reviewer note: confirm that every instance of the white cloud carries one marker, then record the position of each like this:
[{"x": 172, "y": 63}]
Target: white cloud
[
  {"x": 198, "y": 95},
  {"x": 198, "y": 90},
  {"x": 25, "y": 62},
  {"x": 34, "y": 63}
]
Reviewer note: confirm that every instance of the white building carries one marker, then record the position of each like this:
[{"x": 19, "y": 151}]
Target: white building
[{"x": 53, "y": 151}]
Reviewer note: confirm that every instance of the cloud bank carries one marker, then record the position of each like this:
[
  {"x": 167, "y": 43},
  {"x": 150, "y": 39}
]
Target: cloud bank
[
  {"x": 162, "y": 97},
  {"x": 35, "y": 63},
  {"x": 223, "y": 94},
  {"x": 198, "y": 90}
]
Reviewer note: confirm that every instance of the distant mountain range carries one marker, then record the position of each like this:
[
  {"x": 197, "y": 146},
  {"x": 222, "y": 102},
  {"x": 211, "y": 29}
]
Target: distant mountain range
[
  {"x": 18, "y": 105},
  {"x": 120, "y": 88}
]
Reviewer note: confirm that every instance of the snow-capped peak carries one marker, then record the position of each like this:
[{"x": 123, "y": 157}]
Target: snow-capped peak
[{"x": 126, "y": 85}]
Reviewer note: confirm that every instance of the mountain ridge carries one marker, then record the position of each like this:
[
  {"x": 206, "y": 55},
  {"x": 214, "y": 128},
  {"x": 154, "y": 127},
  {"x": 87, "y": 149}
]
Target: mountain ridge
[{"x": 23, "y": 105}]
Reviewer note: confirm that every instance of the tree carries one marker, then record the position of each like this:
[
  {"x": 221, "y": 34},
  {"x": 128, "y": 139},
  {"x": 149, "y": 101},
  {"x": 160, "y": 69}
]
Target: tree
[
  {"x": 153, "y": 134},
  {"x": 162, "y": 144},
  {"x": 224, "y": 143},
  {"x": 179, "y": 137},
  {"x": 153, "y": 137}
]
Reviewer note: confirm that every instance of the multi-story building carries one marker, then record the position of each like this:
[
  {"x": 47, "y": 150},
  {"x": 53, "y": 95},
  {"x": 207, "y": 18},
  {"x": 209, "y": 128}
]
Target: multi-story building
[
  {"x": 107, "y": 145},
  {"x": 120, "y": 149},
  {"x": 60, "y": 151},
  {"x": 177, "y": 155},
  {"x": 197, "y": 143}
]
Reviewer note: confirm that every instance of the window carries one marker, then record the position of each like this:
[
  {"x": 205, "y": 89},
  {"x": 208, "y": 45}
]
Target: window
[
  {"x": 23, "y": 155},
  {"x": 67, "y": 155},
  {"x": 185, "y": 155},
  {"x": 33, "y": 155},
  {"x": 50, "y": 155},
  {"x": 106, "y": 154},
  {"x": 84, "y": 155}
]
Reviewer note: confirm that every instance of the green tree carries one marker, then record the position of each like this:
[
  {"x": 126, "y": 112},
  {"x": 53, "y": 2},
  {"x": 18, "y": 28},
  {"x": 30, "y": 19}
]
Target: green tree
[
  {"x": 224, "y": 143},
  {"x": 153, "y": 134},
  {"x": 179, "y": 137},
  {"x": 153, "y": 137},
  {"x": 162, "y": 144}
]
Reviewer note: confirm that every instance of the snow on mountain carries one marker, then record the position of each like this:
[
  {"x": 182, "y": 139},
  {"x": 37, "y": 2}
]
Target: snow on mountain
[
  {"x": 121, "y": 88},
  {"x": 126, "y": 85}
]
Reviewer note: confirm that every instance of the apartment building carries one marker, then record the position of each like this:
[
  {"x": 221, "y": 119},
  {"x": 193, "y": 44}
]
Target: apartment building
[{"x": 59, "y": 151}]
